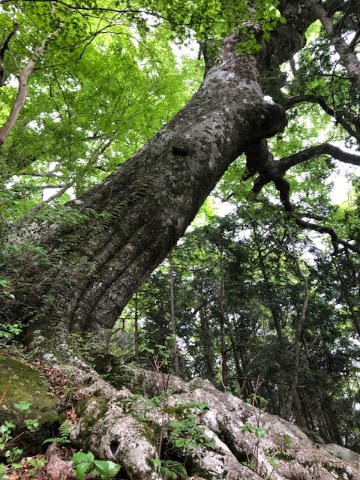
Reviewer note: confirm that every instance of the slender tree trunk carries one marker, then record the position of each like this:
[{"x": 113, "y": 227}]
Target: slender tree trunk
[
  {"x": 223, "y": 347},
  {"x": 269, "y": 294},
  {"x": 354, "y": 310},
  {"x": 293, "y": 393},
  {"x": 172, "y": 316},
  {"x": 239, "y": 373},
  {"x": 207, "y": 345},
  {"x": 23, "y": 89},
  {"x": 298, "y": 329},
  {"x": 301, "y": 417},
  {"x": 136, "y": 326}
]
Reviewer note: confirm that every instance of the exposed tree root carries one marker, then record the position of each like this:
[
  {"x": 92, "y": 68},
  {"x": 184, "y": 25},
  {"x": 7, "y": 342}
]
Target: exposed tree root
[{"x": 131, "y": 419}]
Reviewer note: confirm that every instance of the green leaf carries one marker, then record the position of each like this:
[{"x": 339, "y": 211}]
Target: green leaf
[
  {"x": 83, "y": 457},
  {"x": 157, "y": 462},
  {"x": 81, "y": 469},
  {"x": 107, "y": 468}
]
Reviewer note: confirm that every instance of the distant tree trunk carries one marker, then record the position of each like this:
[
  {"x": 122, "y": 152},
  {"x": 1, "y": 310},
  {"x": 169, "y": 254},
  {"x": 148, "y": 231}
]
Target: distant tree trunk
[
  {"x": 293, "y": 395},
  {"x": 269, "y": 294},
  {"x": 92, "y": 266},
  {"x": 241, "y": 380},
  {"x": 206, "y": 345},
  {"x": 172, "y": 316},
  {"x": 354, "y": 309},
  {"x": 245, "y": 360},
  {"x": 223, "y": 346},
  {"x": 301, "y": 417},
  {"x": 136, "y": 326},
  {"x": 299, "y": 323}
]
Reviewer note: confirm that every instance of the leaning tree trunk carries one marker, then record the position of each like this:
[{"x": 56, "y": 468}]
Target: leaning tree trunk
[{"x": 130, "y": 221}]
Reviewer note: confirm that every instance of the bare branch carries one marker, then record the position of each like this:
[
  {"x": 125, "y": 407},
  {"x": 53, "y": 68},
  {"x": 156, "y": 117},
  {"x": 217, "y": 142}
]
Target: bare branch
[
  {"x": 335, "y": 240},
  {"x": 259, "y": 160}
]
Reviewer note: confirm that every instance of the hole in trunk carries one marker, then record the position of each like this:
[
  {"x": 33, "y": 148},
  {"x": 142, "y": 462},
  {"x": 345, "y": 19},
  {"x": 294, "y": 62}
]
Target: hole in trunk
[{"x": 114, "y": 445}]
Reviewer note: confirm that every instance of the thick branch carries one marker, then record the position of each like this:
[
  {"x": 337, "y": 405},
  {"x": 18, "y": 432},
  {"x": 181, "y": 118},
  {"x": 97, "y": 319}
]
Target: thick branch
[{"x": 22, "y": 92}]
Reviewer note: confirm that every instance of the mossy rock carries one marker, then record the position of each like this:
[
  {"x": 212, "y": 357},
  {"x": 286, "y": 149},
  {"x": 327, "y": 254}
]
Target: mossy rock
[{"x": 22, "y": 383}]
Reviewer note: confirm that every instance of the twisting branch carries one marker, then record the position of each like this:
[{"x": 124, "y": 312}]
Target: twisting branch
[
  {"x": 342, "y": 117},
  {"x": 335, "y": 239},
  {"x": 260, "y": 161},
  {"x": 23, "y": 89},
  {"x": 299, "y": 325}
]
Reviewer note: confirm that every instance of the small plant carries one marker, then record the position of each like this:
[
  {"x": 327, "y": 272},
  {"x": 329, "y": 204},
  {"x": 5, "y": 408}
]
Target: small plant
[
  {"x": 24, "y": 406},
  {"x": 140, "y": 406},
  {"x": 8, "y": 332},
  {"x": 257, "y": 400},
  {"x": 186, "y": 432},
  {"x": 13, "y": 453},
  {"x": 287, "y": 441},
  {"x": 6, "y": 434},
  {"x": 86, "y": 463},
  {"x": 274, "y": 464},
  {"x": 36, "y": 463},
  {"x": 6, "y": 290},
  {"x": 259, "y": 433},
  {"x": 170, "y": 468},
  {"x": 177, "y": 427},
  {"x": 2, "y": 471},
  {"x": 256, "y": 430},
  {"x": 31, "y": 424},
  {"x": 64, "y": 434},
  {"x": 88, "y": 348}
]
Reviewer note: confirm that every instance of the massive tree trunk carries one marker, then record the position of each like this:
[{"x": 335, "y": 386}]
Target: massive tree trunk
[{"x": 132, "y": 219}]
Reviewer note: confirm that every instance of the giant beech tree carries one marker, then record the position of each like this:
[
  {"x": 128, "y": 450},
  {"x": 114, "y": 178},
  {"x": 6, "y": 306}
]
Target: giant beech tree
[{"x": 72, "y": 269}]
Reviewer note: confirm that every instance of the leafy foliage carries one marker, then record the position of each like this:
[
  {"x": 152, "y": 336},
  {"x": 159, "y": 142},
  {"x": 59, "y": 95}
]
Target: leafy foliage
[{"x": 85, "y": 462}]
